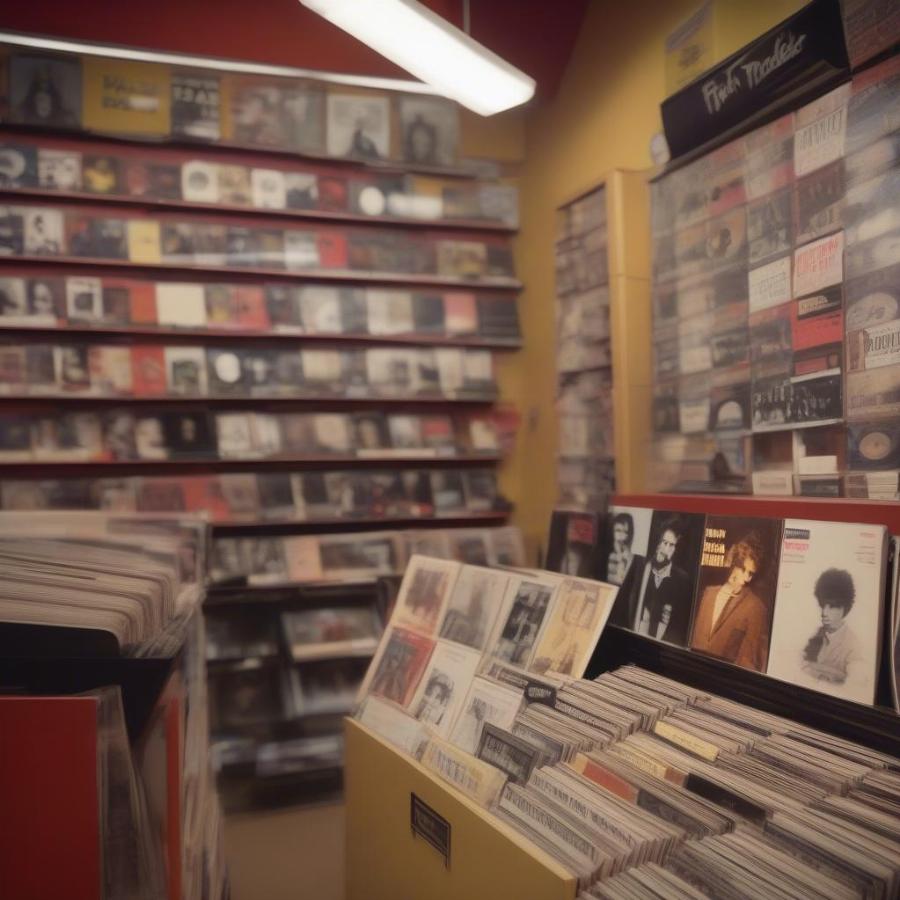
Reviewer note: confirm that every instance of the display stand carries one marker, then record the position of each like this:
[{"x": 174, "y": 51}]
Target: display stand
[{"x": 387, "y": 860}]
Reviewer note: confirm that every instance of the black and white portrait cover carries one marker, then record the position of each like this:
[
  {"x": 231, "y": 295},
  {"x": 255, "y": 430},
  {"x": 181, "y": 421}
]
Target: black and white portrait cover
[
  {"x": 195, "y": 105},
  {"x": 430, "y": 131},
  {"x": 826, "y": 634},
  {"x": 45, "y": 90},
  {"x": 736, "y": 589},
  {"x": 666, "y": 581},
  {"x": 359, "y": 126},
  {"x": 622, "y": 557}
]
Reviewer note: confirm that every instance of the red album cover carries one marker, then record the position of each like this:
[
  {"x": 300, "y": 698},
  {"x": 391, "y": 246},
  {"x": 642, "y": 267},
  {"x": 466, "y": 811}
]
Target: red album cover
[
  {"x": 460, "y": 314},
  {"x": 332, "y": 194},
  {"x": 142, "y": 300},
  {"x": 332, "y": 250},
  {"x": 250, "y": 307},
  {"x": 148, "y": 375},
  {"x": 203, "y": 494},
  {"x": 817, "y": 320},
  {"x": 400, "y": 666}
]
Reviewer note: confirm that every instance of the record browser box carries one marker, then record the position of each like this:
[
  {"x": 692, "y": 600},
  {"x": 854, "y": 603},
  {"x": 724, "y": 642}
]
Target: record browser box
[{"x": 471, "y": 854}]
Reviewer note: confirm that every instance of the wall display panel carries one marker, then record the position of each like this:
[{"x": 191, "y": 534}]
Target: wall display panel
[
  {"x": 774, "y": 335},
  {"x": 273, "y": 302},
  {"x": 585, "y": 469}
]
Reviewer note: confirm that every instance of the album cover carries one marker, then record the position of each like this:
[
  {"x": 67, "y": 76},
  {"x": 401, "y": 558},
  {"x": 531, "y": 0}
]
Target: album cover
[
  {"x": 271, "y": 113},
  {"x": 769, "y": 157},
  {"x": 45, "y": 90},
  {"x": 736, "y": 589},
  {"x": 200, "y": 181},
  {"x": 241, "y": 494},
  {"x": 472, "y": 608},
  {"x": 186, "y": 371},
  {"x": 125, "y": 97},
  {"x": 276, "y": 496},
  {"x": 573, "y": 544},
  {"x": 481, "y": 491},
  {"x": 100, "y": 174},
  {"x": 369, "y": 198},
  {"x": 301, "y": 250},
  {"x": 110, "y": 370},
  {"x": 390, "y": 312},
  {"x": 818, "y": 203},
  {"x": 444, "y": 686},
  {"x": 359, "y": 126},
  {"x": 59, "y": 170},
  {"x": 239, "y": 247},
  {"x": 874, "y": 446},
  {"x": 99, "y": 238},
  {"x": 820, "y": 130},
  {"x": 142, "y": 178},
  {"x": 331, "y": 631},
  {"x": 405, "y": 434},
  {"x": 18, "y": 166},
  {"x": 826, "y": 634},
  {"x": 195, "y": 105},
  {"x": 43, "y": 232},
  {"x": 15, "y": 438},
  {"x": 430, "y": 128},
  {"x": 78, "y": 437},
  {"x": 428, "y": 313},
  {"x": 873, "y": 395},
  {"x": 12, "y": 231},
  {"x": 301, "y": 190},
  {"x": 226, "y": 375},
  {"x": 188, "y": 435},
  {"x": 329, "y": 685},
  {"x": 769, "y": 231},
  {"x": 156, "y": 495},
  {"x": 148, "y": 370},
  {"x": 283, "y": 308},
  {"x": 13, "y": 301},
  {"x": 268, "y": 188},
  {"x": 233, "y": 186},
  {"x": 320, "y": 309},
  {"x": 663, "y": 586},
  {"x": 398, "y": 667},
  {"x": 872, "y": 112},
  {"x": 40, "y": 367},
  {"x": 247, "y": 697},
  {"x": 120, "y": 298},
  {"x": 525, "y": 605},
  {"x": 770, "y": 284}
]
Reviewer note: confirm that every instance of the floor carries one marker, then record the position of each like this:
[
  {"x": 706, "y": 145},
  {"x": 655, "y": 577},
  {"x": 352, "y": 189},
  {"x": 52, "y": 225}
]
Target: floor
[{"x": 290, "y": 854}]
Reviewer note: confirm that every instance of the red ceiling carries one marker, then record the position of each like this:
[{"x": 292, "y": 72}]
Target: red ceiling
[{"x": 534, "y": 35}]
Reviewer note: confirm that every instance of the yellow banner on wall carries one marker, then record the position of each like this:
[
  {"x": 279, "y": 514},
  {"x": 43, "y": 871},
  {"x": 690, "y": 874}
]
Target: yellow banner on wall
[{"x": 126, "y": 97}]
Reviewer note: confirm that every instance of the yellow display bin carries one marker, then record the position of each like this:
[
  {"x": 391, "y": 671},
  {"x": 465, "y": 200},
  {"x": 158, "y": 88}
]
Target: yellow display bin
[{"x": 457, "y": 852}]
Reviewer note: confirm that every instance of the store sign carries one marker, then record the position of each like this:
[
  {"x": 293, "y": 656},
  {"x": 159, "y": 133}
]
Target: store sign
[
  {"x": 788, "y": 63},
  {"x": 430, "y": 826}
]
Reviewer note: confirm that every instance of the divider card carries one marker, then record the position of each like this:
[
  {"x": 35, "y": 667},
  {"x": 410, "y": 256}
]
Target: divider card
[{"x": 828, "y": 608}]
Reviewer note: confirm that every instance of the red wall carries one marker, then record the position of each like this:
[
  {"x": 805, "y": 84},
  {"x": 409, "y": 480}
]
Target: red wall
[{"x": 534, "y": 35}]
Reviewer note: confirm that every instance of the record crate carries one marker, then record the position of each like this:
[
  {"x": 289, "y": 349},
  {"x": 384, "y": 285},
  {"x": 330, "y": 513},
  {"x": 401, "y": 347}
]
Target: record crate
[{"x": 411, "y": 836}]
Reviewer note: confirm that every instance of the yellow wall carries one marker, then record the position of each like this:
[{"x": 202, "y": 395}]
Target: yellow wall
[{"x": 603, "y": 117}]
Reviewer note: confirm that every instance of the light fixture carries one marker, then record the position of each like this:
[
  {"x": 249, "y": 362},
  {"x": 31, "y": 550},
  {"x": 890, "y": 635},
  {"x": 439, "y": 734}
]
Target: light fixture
[{"x": 429, "y": 47}]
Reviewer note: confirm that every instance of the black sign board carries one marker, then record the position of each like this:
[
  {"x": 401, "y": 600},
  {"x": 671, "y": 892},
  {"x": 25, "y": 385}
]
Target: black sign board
[
  {"x": 793, "y": 62},
  {"x": 430, "y": 826}
]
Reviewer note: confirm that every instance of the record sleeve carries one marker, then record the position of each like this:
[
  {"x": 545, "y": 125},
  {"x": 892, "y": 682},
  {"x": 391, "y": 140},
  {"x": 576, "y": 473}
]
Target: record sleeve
[
  {"x": 874, "y": 446},
  {"x": 430, "y": 129},
  {"x": 195, "y": 105},
  {"x": 269, "y": 188},
  {"x": 125, "y": 97},
  {"x": 573, "y": 547},
  {"x": 45, "y": 90},
  {"x": 664, "y": 584},
  {"x": 397, "y": 669},
  {"x": 59, "y": 170},
  {"x": 818, "y": 265},
  {"x": 769, "y": 230},
  {"x": 444, "y": 686},
  {"x": 770, "y": 284},
  {"x": 736, "y": 589},
  {"x": 110, "y": 370},
  {"x": 43, "y": 232},
  {"x": 100, "y": 174},
  {"x": 819, "y": 131},
  {"x": 828, "y": 608},
  {"x": 186, "y": 371},
  {"x": 358, "y": 126},
  {"x": 233, "y": 188},
  {"x": 18, "y": 166},
  {"x": 873, "y": 395},
  {"x": 200, "y": 181}
]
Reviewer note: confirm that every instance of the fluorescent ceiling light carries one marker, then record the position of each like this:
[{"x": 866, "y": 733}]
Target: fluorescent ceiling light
[{"x": 429, "y": 47}]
